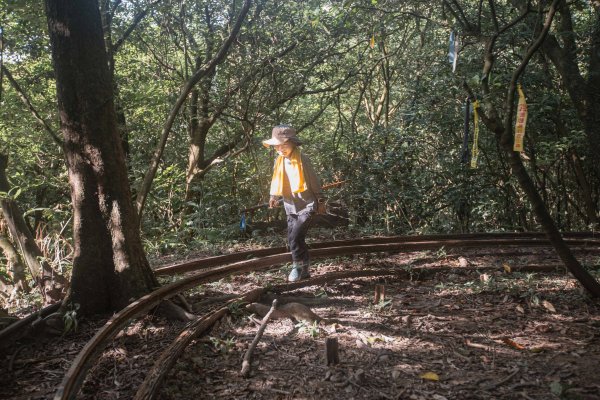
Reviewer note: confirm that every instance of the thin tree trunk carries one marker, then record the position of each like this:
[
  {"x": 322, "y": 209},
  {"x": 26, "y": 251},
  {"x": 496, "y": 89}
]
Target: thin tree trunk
[
  {"x": 51, "y": 284},
  {"x": 586, "y": 192},
  {"x": 504, "y": 133},
  {"x": 539, "y": 208},
  {"x": 585, "y": 94},
  {"x": 185, "y": 91},
  {"x": 109, "y": 266},
  {"x": 16, "y": 269},
  {"x": 25, "y": 99}
]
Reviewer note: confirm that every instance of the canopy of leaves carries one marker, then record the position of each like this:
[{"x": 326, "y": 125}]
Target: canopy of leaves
[{"x": 367, "y": 84}]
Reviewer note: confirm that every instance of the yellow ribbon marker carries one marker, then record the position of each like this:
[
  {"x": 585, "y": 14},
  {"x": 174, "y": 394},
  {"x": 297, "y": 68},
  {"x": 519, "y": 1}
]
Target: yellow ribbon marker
[
  {"x": 521, "y": 121},
  {"x": 475, "y": 151}
]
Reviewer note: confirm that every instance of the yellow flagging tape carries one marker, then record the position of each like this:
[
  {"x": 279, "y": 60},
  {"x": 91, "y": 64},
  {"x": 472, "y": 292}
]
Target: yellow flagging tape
[
  {"x": 475, "y": 151},
  {"x": 521, "y": 121}
]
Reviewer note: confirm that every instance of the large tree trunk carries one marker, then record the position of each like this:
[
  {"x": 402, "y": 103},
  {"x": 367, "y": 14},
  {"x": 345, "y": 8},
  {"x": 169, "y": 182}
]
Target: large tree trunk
[
  {"x": 109, "y": 265},
  {"x": 52, "y": 285}
]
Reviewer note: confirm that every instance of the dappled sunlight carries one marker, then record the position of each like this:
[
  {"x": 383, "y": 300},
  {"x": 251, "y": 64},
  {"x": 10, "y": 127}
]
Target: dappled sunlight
[
  {"x": 120, "y": 256},
  {"x": 455, "y": 334}
]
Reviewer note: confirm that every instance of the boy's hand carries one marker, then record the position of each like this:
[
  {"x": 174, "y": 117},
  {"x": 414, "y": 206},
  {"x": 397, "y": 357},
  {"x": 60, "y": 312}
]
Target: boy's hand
[{"x": 273, "y": 202}]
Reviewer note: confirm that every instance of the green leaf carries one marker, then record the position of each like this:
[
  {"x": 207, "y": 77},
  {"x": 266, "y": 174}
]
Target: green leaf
[{"x": 556, "y": 388}]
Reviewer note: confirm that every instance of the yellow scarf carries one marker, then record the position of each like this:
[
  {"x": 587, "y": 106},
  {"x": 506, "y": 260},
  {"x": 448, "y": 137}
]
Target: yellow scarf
[{"x": 295, "y": 175}]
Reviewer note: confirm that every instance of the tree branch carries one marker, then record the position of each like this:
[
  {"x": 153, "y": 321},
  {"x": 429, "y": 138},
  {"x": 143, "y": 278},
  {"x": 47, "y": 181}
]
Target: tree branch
[
  {"x": 510, "y": 96},
  {"x": 136, "y": 20},
  {"x": 189, "y": 85},
  {"x": 32, "y": 109}
]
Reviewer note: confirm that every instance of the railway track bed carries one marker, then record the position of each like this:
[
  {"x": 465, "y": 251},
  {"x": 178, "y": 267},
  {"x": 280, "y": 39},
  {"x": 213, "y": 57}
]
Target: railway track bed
[{"x": 455, "y": 313}]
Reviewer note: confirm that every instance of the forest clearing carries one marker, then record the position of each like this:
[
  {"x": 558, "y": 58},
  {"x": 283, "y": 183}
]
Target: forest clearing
[{"x": 313, "y": 199}]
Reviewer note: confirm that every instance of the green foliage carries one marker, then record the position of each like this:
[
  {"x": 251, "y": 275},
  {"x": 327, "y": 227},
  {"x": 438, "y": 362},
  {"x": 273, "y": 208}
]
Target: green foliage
[
  {"x": 223, "y": 346},
  {"x": 387, "y": 118},
  {"x": 70, "y": 319},
  {"x": 236, "y": 308},
  {"x": 312, "y": 329}
]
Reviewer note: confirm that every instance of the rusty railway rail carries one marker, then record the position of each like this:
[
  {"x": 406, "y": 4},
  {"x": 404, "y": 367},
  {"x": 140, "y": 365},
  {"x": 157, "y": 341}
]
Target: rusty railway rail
[
  {"x": 238, "y": 263},
  {"x": 209, "y": 262}
]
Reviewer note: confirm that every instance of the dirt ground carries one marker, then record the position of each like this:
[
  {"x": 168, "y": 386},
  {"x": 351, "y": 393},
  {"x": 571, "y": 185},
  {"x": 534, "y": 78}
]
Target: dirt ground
[{"x": 464, "y": 326}]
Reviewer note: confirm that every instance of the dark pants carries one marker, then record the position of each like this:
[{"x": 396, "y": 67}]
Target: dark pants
[{"x": 297, "y": 228}]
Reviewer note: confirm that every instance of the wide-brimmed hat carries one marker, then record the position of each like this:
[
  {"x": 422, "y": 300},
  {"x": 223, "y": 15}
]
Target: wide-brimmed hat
[{"x": 282, "y": 134}]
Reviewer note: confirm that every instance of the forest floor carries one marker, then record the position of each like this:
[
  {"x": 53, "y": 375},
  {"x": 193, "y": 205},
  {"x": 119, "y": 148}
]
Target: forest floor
[{"x": 464, "y": 326}]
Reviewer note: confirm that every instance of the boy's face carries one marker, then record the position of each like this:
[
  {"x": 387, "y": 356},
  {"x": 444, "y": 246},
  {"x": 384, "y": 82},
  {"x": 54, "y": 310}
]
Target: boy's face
[{"x": 285, "y": 149}]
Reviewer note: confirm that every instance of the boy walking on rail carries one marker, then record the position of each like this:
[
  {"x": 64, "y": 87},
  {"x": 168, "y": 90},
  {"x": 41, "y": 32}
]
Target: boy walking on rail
[{"x": 294, "y": 180}]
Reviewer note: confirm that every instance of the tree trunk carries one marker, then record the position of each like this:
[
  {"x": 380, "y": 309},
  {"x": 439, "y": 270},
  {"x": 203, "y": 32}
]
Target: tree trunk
[
  {"x": 586, "y": 192},
  {"x": 51, "y": 284},
  {"x": 545, "y": 219},
  {"x": 109, "y": 265},
  {"x": 584, "y": 93},
  {"x": 16, "y": 269},
  {"x": 207, "y": 69},
  {"x": 504, "y": 133}
]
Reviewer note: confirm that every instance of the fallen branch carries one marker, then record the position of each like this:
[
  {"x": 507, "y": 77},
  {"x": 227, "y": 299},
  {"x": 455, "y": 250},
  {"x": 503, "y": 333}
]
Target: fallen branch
[
  {"x": 479, "y": 346},
  {"x": 245, "y": 372},
  {"x": 502, "y": 381}
]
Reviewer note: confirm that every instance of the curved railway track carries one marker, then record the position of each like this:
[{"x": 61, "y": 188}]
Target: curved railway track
[
  {"x": 214, "y": 268},
  {"x": 208, "y": 262}
]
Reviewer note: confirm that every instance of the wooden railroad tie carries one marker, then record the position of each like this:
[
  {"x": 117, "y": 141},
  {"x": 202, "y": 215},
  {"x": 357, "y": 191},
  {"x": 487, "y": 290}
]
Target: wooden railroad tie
[
  {"x": 332, "y": 351},
  {"x": 379, "y": 294}
]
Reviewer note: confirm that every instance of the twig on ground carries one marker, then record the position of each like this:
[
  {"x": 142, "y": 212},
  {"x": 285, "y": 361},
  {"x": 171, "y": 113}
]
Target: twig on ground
[
  {"x": 245, "y": 372},
  {"x": 479, "y": 346},
  {"x": 525, "y": 396},
  {"x": 502, "y": 381}
]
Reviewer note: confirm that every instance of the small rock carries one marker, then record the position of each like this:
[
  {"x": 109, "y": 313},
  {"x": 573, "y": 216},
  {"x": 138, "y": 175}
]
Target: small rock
[{"x": 383, "y": 358}]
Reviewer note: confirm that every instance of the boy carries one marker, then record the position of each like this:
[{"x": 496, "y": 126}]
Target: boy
[{"x": 294, "y": 180}]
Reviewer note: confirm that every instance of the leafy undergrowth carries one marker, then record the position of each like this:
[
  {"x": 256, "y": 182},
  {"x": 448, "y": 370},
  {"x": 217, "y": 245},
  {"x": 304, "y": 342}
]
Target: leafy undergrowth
[{"x": 465, "y": 326}]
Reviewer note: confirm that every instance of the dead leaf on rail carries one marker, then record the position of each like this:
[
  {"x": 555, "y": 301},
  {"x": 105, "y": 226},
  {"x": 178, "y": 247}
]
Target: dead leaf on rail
[
  {"x": 520, "y": 309},
  {"x": 548, "y": 306},
  {"x": 513, "y": 344}
]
